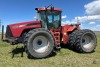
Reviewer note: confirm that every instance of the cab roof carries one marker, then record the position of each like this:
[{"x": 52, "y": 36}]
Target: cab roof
[{"x": 55, "y": 9}]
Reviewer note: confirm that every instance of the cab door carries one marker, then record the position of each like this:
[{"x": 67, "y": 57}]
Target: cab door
[{"x": 54, "y": 25}]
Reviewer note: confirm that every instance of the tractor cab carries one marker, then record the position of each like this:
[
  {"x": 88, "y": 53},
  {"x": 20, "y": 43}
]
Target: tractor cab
[{"x": 50, "y": 17}]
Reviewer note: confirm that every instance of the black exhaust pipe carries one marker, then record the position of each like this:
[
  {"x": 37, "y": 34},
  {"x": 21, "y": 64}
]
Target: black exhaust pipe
[{"x": 2, "y": 35}]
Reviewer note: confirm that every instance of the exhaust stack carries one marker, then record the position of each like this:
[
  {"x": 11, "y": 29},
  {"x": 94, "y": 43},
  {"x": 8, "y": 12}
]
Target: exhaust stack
[{"x": 2, "y": 35}]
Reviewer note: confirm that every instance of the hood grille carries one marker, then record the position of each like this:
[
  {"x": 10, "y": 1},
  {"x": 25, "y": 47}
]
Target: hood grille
[{"x": 8, "y": 32}]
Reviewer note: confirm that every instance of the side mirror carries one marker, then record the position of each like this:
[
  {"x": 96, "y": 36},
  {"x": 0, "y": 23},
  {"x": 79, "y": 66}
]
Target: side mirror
[{"x": 36, "y": 9}]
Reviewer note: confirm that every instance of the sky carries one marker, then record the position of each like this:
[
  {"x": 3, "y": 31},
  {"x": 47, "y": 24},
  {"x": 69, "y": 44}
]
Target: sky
[{"x": 86, "y": 11}]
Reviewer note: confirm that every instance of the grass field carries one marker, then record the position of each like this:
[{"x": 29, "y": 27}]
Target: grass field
[{"x": 64, "y": 58}]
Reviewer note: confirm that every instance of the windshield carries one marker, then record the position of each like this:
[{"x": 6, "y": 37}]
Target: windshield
[{"x": 50, "y": 19}]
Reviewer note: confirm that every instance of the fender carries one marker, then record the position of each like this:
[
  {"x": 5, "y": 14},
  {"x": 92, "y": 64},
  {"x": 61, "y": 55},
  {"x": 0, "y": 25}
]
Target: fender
[
  {"x": 65, "y": 30},
  {"x": 71, "y": 28}
]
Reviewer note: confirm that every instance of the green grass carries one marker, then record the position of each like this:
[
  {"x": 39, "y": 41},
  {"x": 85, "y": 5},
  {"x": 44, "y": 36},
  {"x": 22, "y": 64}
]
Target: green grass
[{"x": 64, "y": 58}]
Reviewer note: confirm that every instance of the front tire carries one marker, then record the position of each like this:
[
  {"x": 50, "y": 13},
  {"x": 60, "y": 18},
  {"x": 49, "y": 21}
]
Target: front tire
[{"x": 39, "y": 43}]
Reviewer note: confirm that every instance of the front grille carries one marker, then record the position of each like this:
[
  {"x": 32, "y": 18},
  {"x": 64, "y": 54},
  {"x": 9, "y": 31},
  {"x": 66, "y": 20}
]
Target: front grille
[{"x": 8, "y": 32}]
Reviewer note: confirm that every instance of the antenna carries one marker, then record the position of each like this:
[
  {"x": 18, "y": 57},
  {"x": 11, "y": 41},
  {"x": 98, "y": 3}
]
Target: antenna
[
  {"x": 77, "y": 20},
  {"x": 48, "y": 6}
]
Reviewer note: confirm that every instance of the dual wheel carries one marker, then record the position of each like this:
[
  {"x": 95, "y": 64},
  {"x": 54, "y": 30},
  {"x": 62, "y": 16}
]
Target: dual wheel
[{"x": 83, "y": 41}]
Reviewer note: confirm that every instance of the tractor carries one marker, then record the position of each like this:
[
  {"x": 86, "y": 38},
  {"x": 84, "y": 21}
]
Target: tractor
[{"x": 42, "y": 36}]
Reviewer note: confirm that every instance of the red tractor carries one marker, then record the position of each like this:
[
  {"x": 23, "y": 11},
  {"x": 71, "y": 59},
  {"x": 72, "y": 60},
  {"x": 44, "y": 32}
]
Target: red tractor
[{"x": 41, "y": 36}]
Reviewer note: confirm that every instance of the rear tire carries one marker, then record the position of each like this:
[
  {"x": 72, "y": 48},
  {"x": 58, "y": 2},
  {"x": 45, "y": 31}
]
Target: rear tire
[
  {"x": 39, "y": 43},
  {"x": 85, "y": 41},
  {"x": 72, "y": 39}
]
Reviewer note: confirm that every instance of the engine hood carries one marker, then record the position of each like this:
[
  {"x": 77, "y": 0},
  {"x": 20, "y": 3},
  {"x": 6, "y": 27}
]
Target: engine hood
[
  {"x": 25, "y": 23},
  {"x": 17, "y": 29}
]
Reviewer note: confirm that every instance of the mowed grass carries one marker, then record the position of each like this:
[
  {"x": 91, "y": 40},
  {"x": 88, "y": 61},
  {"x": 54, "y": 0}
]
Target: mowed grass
[{"x": 64, "y": 58}]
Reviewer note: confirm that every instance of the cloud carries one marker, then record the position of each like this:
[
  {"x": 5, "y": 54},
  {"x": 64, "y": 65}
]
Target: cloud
[
  {"x": 98, "y": 26},
  {"x": 92, "y": 11},
  {"x": 91, "y": 22},
  {"x": 93, "y": 8},
  {"x": 35, "y": 17},
  {"x": 65, "y": 23},
  {"x": 81, "y": 19},
  {"x": 64, "y": 17},
  {"x": 88, "y": 18}
]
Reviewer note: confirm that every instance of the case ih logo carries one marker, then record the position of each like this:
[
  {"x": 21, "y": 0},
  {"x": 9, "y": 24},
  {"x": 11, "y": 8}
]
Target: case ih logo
[
  {"x": 15, "y": 26},
  {"x": 22, "y": 25},
  {"x": 19, "y": 26}
]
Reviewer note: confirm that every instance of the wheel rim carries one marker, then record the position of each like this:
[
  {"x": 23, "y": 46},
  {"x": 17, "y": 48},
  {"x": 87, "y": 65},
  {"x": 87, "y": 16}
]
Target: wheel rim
[
  {"x": 87, "y": 41},
  {"x": 40, "y": 44}
]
